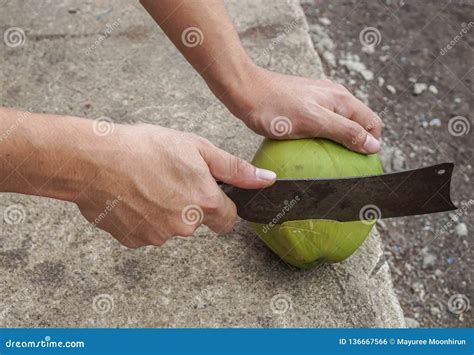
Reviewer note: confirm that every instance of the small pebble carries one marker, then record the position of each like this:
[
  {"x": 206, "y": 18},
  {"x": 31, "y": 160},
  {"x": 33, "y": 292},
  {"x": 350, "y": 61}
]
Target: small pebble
[
  {"x": 435, "y": 311},
  {"x": 450, "y": 260},
  {"x": 391, "y": 89},
  {"x": 412, "y": 323},
  {"x": 381, "y": 81},
  {"x": 325, "y": 21},
  {"x": 429, "y": 260},
  {"x": 398, "y": 160},
  {"x": 433, "y": 89},
  {"x": 461, "y": 230},
  {"x": 418, "y": 88},
  {"x": 368, "y": 49},
  {"x": 457, "y": 100},
  {"x": 435, "y": 122}
]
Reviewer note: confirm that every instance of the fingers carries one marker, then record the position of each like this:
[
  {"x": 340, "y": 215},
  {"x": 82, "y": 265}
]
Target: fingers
[
  {"x": 222, "y": 216},
  {"x": 235, "y": 171},
  {"x": 364, "y": 116},
  {"x": 349, "y": 133}
]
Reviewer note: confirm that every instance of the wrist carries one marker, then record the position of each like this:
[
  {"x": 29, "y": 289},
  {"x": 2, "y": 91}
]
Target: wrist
[{"x": 235, "y": 87}]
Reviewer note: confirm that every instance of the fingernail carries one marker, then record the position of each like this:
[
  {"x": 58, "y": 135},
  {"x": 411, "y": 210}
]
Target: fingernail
[
  {"x": 371, "y": 145},
  {"x": 263, "y": 174}
]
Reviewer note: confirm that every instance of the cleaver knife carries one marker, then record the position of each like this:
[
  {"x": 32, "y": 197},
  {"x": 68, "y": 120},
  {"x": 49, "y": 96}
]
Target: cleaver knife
[{"x": 405, "y": 193}]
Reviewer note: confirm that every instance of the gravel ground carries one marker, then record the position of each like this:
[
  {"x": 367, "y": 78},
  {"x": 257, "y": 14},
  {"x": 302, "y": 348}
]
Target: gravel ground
[{"x": 412, "y": 61}]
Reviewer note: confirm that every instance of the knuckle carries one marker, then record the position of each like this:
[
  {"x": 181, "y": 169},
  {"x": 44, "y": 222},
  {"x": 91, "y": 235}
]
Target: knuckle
[
  {"x": 210, "y": 203},
  {"x": 152, "y": 237},
  {"x": 238, "y": 166},
  {"x": 354, "y": 135},
  {"x": 229, "y": 224},
  {"x": 343, "y": 96},
  {"x": 325, "y": 81},
  {"x": 200, "y": 141},
  {"x": 185, "y": 230},
  {"x": 130, "y": 243},
  {"x": 156, "y": 241},
  {"x": 341, "y": 88}
]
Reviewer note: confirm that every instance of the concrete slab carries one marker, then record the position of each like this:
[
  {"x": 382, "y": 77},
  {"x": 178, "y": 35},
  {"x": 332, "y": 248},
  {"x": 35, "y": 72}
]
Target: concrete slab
[{"x": 58, "y": 273}]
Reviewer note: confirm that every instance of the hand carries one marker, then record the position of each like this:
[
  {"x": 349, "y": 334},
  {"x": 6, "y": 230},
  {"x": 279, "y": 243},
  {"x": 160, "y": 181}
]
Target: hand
[
  {"x": 274, "y": 105},
  {"x": 282, "y": 106},
  {"x": 154, "y": 183}
]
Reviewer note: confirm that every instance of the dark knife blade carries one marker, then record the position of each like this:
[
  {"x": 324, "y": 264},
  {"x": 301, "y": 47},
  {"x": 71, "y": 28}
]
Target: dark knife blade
[{"x": 406, "y": 193}]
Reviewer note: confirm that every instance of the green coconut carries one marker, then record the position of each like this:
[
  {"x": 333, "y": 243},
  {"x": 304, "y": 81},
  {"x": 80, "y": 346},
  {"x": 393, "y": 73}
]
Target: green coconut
[{"x": 307, "y": 243}]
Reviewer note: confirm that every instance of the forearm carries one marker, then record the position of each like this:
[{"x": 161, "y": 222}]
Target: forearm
[
  {"x": 205, "y": 35},
  {"x": 46, "y": 155}
]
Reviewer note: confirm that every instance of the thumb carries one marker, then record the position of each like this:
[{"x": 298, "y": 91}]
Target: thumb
[{"x": 235, "y": 171}]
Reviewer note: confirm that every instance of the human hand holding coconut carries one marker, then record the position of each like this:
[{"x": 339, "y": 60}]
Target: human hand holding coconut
[
  {"x": 290, "y": 107},
  {"x": 271, "y": 104}
]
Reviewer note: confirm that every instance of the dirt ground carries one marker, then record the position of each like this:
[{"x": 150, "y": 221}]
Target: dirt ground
[{"x": 430, "y": 256}]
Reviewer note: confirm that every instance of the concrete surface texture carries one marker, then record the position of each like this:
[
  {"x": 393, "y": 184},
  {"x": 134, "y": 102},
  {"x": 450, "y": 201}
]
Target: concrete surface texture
[{"x": 56, "y": 272}]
